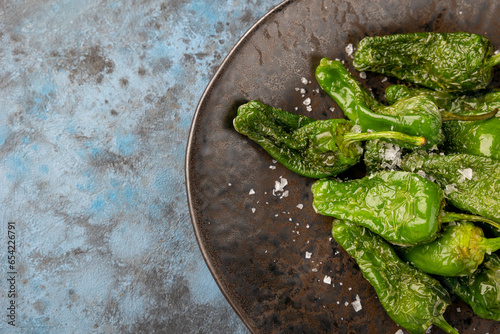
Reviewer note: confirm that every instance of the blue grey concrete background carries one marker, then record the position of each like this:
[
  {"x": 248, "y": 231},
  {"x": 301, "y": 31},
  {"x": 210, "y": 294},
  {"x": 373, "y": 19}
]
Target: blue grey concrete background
[{"x": 96, "y": 101}]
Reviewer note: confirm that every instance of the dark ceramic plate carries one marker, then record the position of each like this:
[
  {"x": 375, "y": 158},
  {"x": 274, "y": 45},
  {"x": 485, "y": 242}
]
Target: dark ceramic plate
[{"x": 270, "y": 253}]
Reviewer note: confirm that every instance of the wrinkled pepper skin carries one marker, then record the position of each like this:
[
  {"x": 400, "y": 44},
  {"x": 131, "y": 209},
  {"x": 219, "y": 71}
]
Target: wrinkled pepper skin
[
  {"x": 308, "y": 147},
  {"x": 402, "y": 207},
  {"x": 481, "y": 290},
  {"x": 410, "y": 297},
  {"x": 415, "y": 116},
  {"x": 382, "y": 156},
  {"x": 479, "y": 195},
  {"x": 299, "y": 143},
  {"x": 448, "y": 62},
  {"x": 480, "y": 137},
  {"x": 458, "y": 251}
]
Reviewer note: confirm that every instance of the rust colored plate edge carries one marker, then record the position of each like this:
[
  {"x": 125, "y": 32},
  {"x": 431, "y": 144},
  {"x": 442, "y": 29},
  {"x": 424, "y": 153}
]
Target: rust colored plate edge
[{"x": 192, "y": 131}]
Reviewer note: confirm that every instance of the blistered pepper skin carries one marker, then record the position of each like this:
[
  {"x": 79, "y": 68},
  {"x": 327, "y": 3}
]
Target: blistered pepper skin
[
  {"x": 410, "y": 297},
  {"x": 300, "y": 143},
  {"x": 458, "y": 251},
  {"x": 481, "y": 290},
  {"x": 401, "y": 207},
  {"x": 308, "y": 147},
  {"x": 480, "y": 137},
  {"x": 479, "y": 194},
  {"x": 450, "y": 62},
  {"x": 415, "y": 116}
]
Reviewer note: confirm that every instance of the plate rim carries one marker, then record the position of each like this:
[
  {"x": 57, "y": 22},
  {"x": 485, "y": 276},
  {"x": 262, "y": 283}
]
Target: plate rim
[{"x": 187, "y": 165}]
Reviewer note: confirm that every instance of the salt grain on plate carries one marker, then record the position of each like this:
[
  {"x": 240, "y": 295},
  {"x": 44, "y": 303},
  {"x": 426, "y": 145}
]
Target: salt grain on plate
[
  {"x": 307, "y": 102},
  {"x": 251, "y": 192},
  {"x": 349, "y": 49},
  {"x": 300, "y": 206},
  {"x": 304, "y": 81},
  {"x": 357, "y": 304},
  {"x": 308, "y": 255},
  {"x": 327, "y": 279},
  {"x": 362, "y": 75}
]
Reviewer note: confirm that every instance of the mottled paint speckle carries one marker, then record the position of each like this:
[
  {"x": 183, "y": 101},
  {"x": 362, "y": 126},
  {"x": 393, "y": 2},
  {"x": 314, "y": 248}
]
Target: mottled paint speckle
[{"x": 97, "y": 99}]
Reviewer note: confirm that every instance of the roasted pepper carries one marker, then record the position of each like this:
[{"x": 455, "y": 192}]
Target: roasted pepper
[
  {"x": 308, "y": 147},
  {"x": 471, "y": 183},
  {"x": 481, "y": 290},
  {"x": 458, "y": 251},
  {"x": 403, "y": 208},
  {"x": 410, "y": 297},
  {"x": 415, "y": 116},
  {"x": 450, "y": 62},
  {"x": 479, "y": 137}
]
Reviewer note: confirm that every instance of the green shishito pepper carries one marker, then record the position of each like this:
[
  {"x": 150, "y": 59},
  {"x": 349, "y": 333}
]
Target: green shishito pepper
[
  {"x": 415, "y": 116},
  {"x": 450, "y": 62},
  {"x": 480, "y": 137},
  {"x": 458, "y": 251},
  {"x": 312, "y": 148},
  {"x": 481, "y": 290},
  {"x": 403, "y": 208},
  {"x": 471, "y": 183},
  {"x": 410, "y": 297}
]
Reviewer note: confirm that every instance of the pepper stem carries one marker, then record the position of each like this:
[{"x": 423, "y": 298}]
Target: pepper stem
[
  {"x": 490, "y": 245},
  {"x": 441, "y": 323},
  {"x": 351, "y": 137},
  {"x": 492, "y": 61},
  {"x": 448, "y": 217},
  {"x": 448, "y": 116}
]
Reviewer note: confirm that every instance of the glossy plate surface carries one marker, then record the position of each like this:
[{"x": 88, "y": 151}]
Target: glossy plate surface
[{"x": 270, "y": 253}]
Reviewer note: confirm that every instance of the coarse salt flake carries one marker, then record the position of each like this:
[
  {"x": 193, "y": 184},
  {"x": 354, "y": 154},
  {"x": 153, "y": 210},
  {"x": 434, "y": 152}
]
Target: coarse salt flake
[
  {"x": 400, "y": 331},
  {"x": 357, "y": 304},
  {"x": 308, "y": 255},
  {"x": 253, "y": 210},
  {"x": 349, "y": 49},
  {"x": 327, "y": 279},
  {"x": 251, "y": 192},
  {"x": 450, "y": 188},
  {"x": 304, "y": 81},
  {"x": 362, "y": 75},
  {"x": 307, "y": 101},
  {"x": 280, "y": 185},
  {"x": 466, "y": 173},
  {"x": 300, "y": 206}
]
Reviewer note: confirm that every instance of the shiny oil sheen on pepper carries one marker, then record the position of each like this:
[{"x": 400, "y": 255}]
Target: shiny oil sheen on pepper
[
  {"x": 481, "y": 290},
  {"x": 450, "y": 62},
  {"x": 415, "y": 116},
  {"x": 306, "y": 146},
  {"x": 402, "y": 207},
  {"x": 458, "y": 251},
  {"x": 471, "y": 183},
  {"x": 479, "y": 136},
  {"x": 410, "y": 297}
]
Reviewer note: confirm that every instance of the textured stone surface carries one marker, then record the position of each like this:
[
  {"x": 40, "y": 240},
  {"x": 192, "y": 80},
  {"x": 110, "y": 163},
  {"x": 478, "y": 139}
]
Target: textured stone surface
[{"x": 96, "y": 101}]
